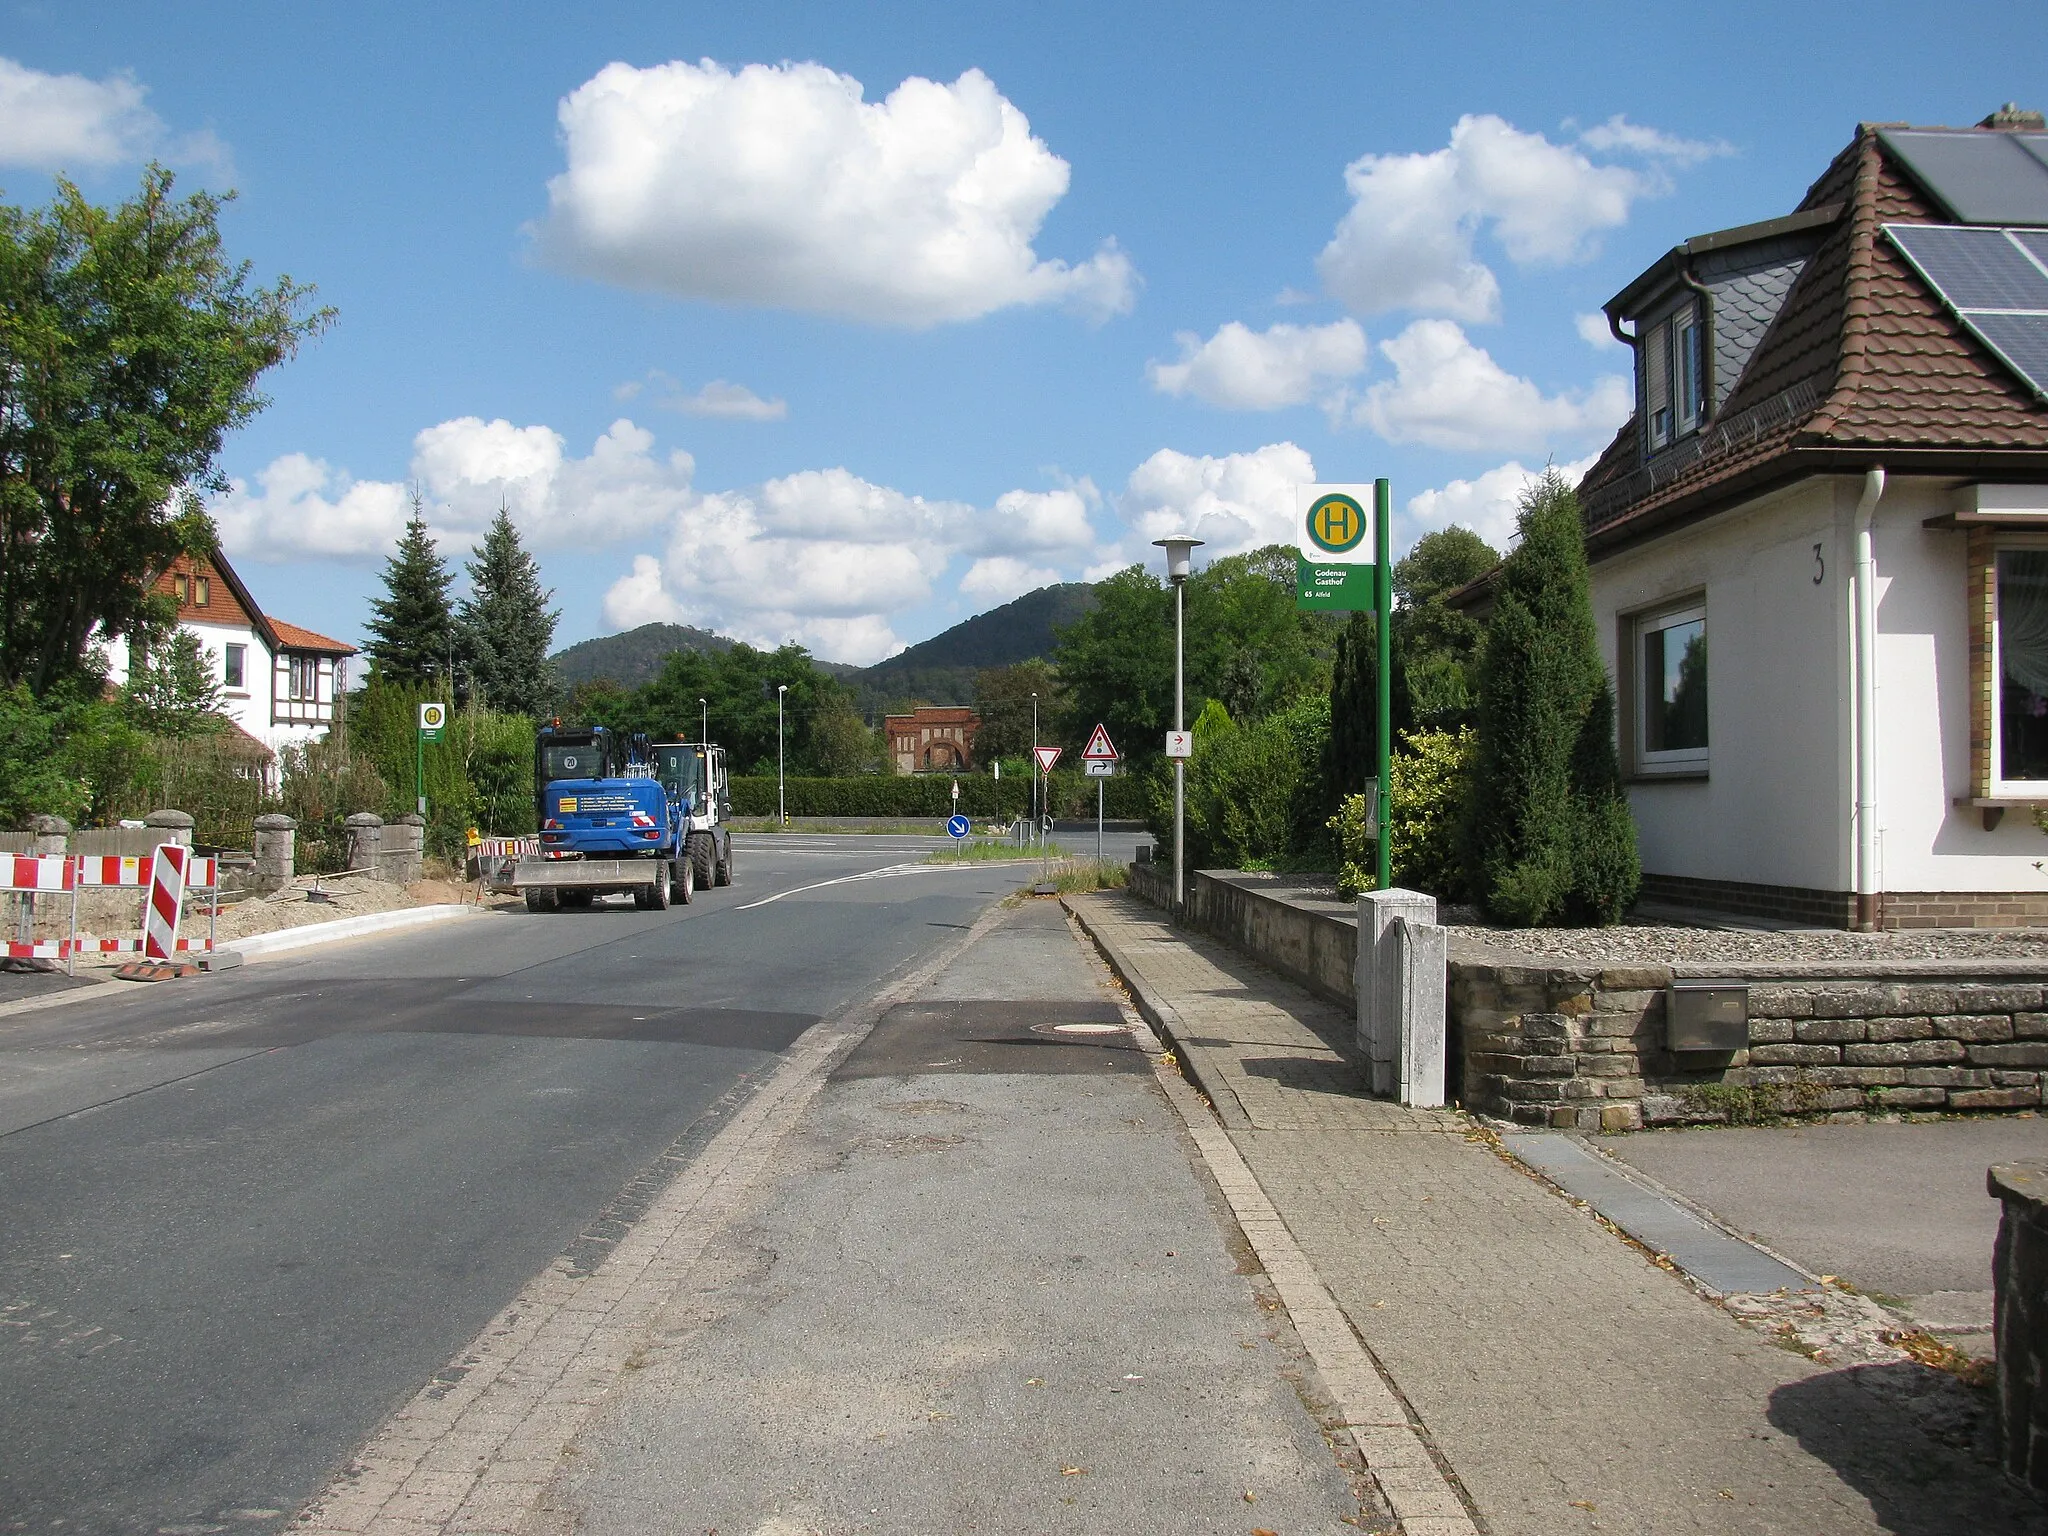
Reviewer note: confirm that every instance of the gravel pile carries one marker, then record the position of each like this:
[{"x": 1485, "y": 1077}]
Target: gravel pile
[{"x": 1654, "y": 944}]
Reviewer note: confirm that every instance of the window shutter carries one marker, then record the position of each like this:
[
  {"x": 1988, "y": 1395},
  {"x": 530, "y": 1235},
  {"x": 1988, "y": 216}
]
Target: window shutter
[{"x": 1657, "y": 382}]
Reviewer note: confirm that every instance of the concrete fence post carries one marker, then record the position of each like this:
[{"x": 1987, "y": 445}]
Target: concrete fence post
[
  {"x": 2019, "y": 1275},
  {"x": 1379, "y": 990},
  {"x": 276, "y": 851},
  {"x": 401, "y": 853},
  {"x": 51, "y": 833},
  {"x": 1419, "y": 960},
  {"x": 170, "y": 826},
  {"x": 365, "y": 834}
]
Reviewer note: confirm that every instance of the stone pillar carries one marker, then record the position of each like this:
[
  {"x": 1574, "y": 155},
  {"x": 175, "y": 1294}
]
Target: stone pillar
[
  {"x": 276, "y": 855},
  {"x": 2019, "y": 1272},
  {"x": 51, "y": 835},
  {"x": 1380, "y": 974},
  {"x": 400, "y": 857},
  {"x": 170, "y": 826},
  {"x": 1417, "y": 966},
  {"x": 365, "y": 834}
]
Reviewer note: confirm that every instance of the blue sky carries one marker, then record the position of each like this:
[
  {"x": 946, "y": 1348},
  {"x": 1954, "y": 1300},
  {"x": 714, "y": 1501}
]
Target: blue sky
[{"x": 842, "y": 323}]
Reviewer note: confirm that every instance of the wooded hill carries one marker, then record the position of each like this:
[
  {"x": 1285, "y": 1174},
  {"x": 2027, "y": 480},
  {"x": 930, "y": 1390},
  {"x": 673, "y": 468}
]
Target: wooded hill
[{"x": 940, "y": 670}]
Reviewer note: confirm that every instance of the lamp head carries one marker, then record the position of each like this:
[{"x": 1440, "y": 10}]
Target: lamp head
[
  {"x": 1179, "y": 549},
  {"x": 782, "y": 687}
]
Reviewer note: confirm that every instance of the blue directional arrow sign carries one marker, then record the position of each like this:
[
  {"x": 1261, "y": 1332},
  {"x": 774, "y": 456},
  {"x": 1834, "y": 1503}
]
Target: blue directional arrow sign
[{"x": 957, "y": 827}]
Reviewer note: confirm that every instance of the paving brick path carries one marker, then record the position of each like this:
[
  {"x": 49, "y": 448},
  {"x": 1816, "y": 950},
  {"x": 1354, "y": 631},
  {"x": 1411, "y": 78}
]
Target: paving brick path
[{"x": 1570, "y": 1384}]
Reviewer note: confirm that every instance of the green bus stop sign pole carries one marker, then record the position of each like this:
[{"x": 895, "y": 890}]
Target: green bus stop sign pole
[{"x": 1383, "y": 610}]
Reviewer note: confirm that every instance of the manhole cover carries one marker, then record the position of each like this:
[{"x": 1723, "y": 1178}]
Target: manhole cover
[{"x": 1082, "y": 1029}]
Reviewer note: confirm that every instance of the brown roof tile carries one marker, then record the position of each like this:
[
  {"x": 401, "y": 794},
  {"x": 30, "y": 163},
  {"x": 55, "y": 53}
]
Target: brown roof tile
[
  {"x": 293, "y": 638},
  {"x": 1862, "y": 357}
]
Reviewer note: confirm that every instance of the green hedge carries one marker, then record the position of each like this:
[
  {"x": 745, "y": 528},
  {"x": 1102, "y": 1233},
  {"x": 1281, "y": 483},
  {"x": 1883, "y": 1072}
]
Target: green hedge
[{"x": 982, "y": 797}]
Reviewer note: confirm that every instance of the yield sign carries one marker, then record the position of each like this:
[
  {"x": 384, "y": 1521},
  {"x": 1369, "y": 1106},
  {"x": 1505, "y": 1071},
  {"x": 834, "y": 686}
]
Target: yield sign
[
  {"x": 1098, "y": 749},
  {"x": 1046, "y": 756}
]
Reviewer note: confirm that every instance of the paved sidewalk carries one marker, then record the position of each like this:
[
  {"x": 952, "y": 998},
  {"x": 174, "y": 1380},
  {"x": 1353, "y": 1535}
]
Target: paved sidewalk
[
  {"x": 981, "y": 1288},
  {"x": 1569, "y": 1383}
]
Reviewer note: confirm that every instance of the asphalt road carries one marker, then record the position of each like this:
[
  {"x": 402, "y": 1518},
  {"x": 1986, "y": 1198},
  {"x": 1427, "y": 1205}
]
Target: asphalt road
[{"x": 243, "y": 1218}]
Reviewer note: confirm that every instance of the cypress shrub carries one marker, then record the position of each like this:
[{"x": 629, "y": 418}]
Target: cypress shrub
[{"x": 1549, "y": 839}]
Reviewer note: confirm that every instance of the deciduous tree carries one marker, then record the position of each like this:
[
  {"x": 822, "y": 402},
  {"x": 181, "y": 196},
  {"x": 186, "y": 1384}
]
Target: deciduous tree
[{"x": 130, "y": 346}]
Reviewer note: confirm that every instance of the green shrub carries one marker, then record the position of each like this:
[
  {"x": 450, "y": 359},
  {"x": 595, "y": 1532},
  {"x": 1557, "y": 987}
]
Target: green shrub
[
  {"x": 321, "y": 785},
  {"x": 1253, "y": 798},
  {"x": 1549, "y": 838},
  {"x": 1432, "y": 783}
]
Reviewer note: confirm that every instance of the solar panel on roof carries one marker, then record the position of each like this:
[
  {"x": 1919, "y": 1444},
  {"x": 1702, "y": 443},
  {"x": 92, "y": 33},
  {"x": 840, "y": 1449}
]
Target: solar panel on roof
[
  {"x": 1996, "y": 281},
  {"x": 1981, "y": 176},
  {"x": 2022, "y": 340},
  {"x": 1973, "y": 268}
]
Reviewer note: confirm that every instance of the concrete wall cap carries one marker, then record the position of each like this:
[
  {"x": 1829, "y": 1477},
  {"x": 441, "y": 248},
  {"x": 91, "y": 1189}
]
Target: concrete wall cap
[
  {"x": 2027, "y": 1181},
  {"x": 365, "y": 819},
  {"x": 49, "y": 826},
  {"x": 271, "y": 821},
  {"x": 412, "y": 819},
  {"x": 168, "y": 818}
]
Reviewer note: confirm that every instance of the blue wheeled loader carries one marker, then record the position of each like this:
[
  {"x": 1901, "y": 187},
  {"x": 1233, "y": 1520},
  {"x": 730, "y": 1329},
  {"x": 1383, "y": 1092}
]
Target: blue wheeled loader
[{"x": 618, "y": 814}]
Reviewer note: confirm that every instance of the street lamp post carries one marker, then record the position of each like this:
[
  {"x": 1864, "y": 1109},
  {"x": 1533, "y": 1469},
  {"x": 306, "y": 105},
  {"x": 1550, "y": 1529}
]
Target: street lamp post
[
  {"x": 704, "y": 714},
  {"x": 1034, "y": 765},
  {"x": 781, "y": 811},
  {"x": 1179, "y": 549}
]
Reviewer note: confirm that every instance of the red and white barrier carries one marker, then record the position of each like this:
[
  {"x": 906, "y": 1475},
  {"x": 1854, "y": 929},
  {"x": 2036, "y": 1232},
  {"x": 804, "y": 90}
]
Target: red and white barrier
[
  {"x": 25, "y": 878},
  {"x": 169, "y": 875}
]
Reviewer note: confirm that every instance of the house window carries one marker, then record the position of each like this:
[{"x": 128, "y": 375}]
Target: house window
[
  {"x": 1674, "y": 363},
  {"x": 182, "y": 585},
  {"x": 1671, "y": 691},
  {"x": 305, "y": 679},
  {"x": 201, "y": 588},
  {"x": 2019, "y": 639},
  {"x": 237, "y": 659}
]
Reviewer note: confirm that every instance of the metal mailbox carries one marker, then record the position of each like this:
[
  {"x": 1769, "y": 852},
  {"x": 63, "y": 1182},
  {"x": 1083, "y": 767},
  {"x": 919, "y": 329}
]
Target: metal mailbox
[{"x": 1702, "y": 1014}]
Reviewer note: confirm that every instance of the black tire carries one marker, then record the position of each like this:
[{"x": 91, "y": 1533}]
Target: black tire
[
  {"x": 682, "y": 881},
  {"x": 700, "y": 855},
  {"x": 721, "y": 873},
  {"x": 540, "y": 901},
  {"x": 657, "y": 890}
]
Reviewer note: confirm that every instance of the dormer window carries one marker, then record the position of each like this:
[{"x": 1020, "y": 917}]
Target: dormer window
[{"x": 1673, "y": 360}]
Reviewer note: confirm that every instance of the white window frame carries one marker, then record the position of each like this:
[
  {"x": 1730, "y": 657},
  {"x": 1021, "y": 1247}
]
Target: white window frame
[
  {"x": 235, "y": 659},
  {"x": 2001, "y": 787},
  {"x": 1683, "y": 761}
]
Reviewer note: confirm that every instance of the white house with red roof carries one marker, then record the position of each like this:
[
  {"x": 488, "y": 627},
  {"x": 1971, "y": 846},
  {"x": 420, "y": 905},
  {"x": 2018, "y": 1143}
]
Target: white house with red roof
[{"x": 280, "y": 684}]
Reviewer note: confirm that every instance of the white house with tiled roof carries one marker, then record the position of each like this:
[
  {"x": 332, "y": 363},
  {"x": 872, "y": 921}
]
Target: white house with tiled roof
[
  {"x": 280, "y": 683},
  {"x": 1819, "y": 547}
]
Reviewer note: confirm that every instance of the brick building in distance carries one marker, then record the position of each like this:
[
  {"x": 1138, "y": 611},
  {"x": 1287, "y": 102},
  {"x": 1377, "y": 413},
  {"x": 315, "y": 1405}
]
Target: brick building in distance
[{"x": 934, "y": 738}]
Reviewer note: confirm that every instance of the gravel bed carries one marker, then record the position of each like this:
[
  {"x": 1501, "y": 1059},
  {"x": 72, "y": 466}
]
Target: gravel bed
[{"x": 1648, "y": 943}]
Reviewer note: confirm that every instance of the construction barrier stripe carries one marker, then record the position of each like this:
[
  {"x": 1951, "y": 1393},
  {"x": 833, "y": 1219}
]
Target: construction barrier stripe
[
  {"x": 96, "y": 870},
  {"x": 134, "y": 946},
  {"x": 24, "y": 873},
  {"x": 165, "y": 903},
  {"x": 42, "y": 949}
]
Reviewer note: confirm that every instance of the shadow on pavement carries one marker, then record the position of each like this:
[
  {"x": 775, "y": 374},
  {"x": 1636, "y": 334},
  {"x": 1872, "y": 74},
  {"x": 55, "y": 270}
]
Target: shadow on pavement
[{"x": 1916, "y": 1442}]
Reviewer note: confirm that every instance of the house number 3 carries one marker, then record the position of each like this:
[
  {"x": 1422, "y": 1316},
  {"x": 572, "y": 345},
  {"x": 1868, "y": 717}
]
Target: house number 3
[{"x": 1820, "y": 567}]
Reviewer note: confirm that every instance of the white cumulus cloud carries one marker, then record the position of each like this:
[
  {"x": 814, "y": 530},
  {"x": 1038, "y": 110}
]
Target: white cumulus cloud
[
  {"x": 998, "y": 578},
  {"x": 780, "y": 185},
  {"x": 1486, "y": 504},
  {"x": 301, "y": 507},
  {"x": 725, "y": 401},
  {"x": 1448, "y": 393},
  {"x": 1619, "y": 135},
  {"x": 1233, "y": 502},
  {"x": 68, "y": 122},
  {"x": 826, "y": 558},
  {"x": 1245, "y": 370},
  {"x": 1595, "y": 332},
  {"x": 1407, "y": 241}
]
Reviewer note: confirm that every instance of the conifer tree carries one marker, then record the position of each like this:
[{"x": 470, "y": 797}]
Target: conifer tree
[
  {"x": 412, "y": 628},
  {"x": 1550, "y": 838},
  {"x": 506, "y": 627}
]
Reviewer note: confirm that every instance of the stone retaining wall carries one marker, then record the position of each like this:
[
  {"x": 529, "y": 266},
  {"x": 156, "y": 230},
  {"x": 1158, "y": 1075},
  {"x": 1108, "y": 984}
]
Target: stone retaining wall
[
  {"x": 1584, "y": 1047},
  {"x": 1308, "y": 937}
]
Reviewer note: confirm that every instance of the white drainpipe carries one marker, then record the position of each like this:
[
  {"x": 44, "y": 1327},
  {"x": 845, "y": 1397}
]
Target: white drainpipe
[{"x": 1866, "y": 703}]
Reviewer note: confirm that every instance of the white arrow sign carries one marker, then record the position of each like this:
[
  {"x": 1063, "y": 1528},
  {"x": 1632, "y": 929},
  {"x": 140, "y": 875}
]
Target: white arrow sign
[{"x": 1099, "y": 749}]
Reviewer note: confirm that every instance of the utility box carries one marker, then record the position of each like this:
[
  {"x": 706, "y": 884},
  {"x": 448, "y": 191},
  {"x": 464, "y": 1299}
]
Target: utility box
[{"x": 1701, "y": 1014}]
